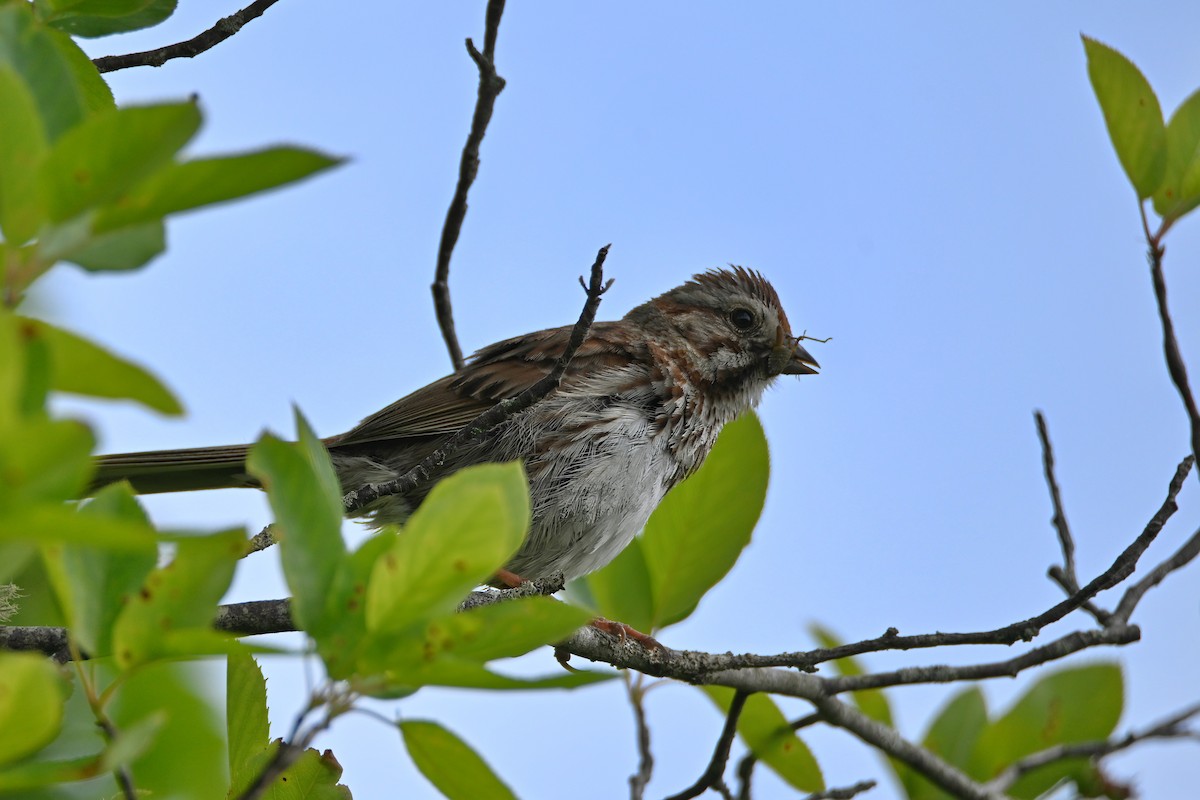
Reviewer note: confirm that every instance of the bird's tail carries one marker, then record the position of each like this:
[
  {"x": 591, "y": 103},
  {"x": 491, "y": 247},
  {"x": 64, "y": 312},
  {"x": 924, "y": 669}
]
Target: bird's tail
[{"x": 176, "y": 470}]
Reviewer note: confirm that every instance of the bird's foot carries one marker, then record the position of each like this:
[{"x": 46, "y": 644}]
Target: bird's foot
[{"x": 623, "y": 632}]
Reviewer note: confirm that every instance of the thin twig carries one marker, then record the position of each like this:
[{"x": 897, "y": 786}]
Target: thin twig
[
  {"x": 635, "y": 688},
  {"x": 1064, "y": 576},
  {"x": 192, "y": 47},
  {"x": 1170, "y": 728},
  {"x": 490, "y": 86},
  {"x": 122, "y": 774},
  {"x": 1181, "y": 557},
  {"x": 1134, "y": 593},
  {"x": 1175, "y": 363},
  {"x": 888, "y": 740},
  {"x": 359, "y": 498},
  {"x": 745, "y": 768},
  {"x": 844, "y": 793},
  {"x": 713, "y": 777},
  {"x": 1059, "y": 520},
  {"x": 1059, "y": 648}
]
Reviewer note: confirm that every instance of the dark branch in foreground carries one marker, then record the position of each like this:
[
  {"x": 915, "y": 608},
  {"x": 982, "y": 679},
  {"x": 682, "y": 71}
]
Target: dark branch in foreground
[
  {"x": 192, "y": 47},
  {"x": 596, "y": 287},
  {"x": 1175, "y": 364},
  {"x": 713, "y": 777},
  {"x": 753, "y": 673},
  {"x": 490, "y": 86}
]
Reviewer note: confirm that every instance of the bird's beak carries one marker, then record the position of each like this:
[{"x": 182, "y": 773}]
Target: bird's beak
[{"x": 789, "y": 358}]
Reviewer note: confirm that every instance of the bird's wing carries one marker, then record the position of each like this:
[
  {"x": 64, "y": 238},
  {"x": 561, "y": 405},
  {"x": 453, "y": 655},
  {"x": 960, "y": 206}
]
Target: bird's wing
[{"x": 496, "y": 372}]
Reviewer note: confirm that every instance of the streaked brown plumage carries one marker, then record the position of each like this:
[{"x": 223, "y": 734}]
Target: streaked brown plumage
[{"x": 637, "y": 411}]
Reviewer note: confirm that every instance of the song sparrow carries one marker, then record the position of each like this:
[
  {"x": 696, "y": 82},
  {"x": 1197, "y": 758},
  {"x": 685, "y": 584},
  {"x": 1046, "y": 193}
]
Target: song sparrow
[{"x": 637, "y": 411}]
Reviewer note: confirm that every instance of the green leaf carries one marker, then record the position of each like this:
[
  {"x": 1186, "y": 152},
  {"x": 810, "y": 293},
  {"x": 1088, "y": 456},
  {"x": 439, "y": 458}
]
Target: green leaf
[
  {"x": 83, "y": 367},
  {"x": 133, "y": 741},
  {"x": 953, "y": 735},
  {"x": 872, "y": 702},
  {"x": 622, "y": 589},
  {"x": 94, "y": 584},
  {"x": 1180, "y": 189},
  {"x": 201, "y": 182},
  {"x": 339, "y": 644},
  {"x": 765, "y": 730},
  {"x": 180, "y": 598},
  {"x": 497, "y": 631},
  {"x": 468, "y": 526},
  {"x": 53, "y": 523},
  {"x": 187, "y": 758},
  {"x": 64, "y": 84},
  {"x": 38, "y": 774},
  {"x": 1132, "y": 114},
  {"x": 450, "y": 764},
  {"x": 313, "y": 776},
  {"x": 112, "y": 151},
  {"x": 698, "y": 531},
  {"x": 31, "y": 704},
  {"x": 22, "y": 147},
  {"x": 245, "y": 717},
  {"x": 45, "y": 460},
  {"x": 90, "y": 18},
  {"x": 128, "y": 248},
  {"x": 469, "y": 675},
  {"x": 306, "y": 498},
  {"x": 1078, "y": 704}
]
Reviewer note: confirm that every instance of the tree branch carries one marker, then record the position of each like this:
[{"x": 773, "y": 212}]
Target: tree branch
[
  {"x": 637, "y": 697},
  {"x": 745, "y": 769},
  {"x": 363, "y": 496},
  {"x": 844, "y": 793},
  {"x": 1175, "y": 364},
  {"x": 713, "y": 777},
  {"x": 490, "y": 86},
  {"x": 888, "y": 740},
  {"x": 192, "y": 47},
  {"x": 1064, "y": 576}
]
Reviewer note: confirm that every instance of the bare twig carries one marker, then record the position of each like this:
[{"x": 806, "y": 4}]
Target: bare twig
[
  {"x": 192, "y": 47},
  {"x": 596, "y": 287},
  {"x": 713, "y": 777},
  {"x": 844, "y": 793},
  {"x": 1175, "y": 366},
  {"x": 1065, "y": 576},
  {"x": 121, "y": 773},
  {"x": 1059, "y": 520},
  {"x": 745, "y": 769},
  {"x": 1134, "y": 593},
  {"x": 1060, "y": 648},
  {"x": 490, "y": 86},
  {"x": 1181, "y": 557},
  {"x": 940, "y": 772},
  {"x": 1170, "y": 728},
  {"x": 636, "y": 689}
]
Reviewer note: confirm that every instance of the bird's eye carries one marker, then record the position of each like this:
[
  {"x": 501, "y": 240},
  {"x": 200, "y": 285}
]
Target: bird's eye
[{"x": 742, "y": 318}]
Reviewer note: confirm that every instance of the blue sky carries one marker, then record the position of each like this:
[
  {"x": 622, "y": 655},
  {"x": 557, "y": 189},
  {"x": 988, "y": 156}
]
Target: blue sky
[{"x": 931, "y": 185}]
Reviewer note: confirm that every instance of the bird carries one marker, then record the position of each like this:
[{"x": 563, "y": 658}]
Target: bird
[{"x": 638, "y": 410}]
